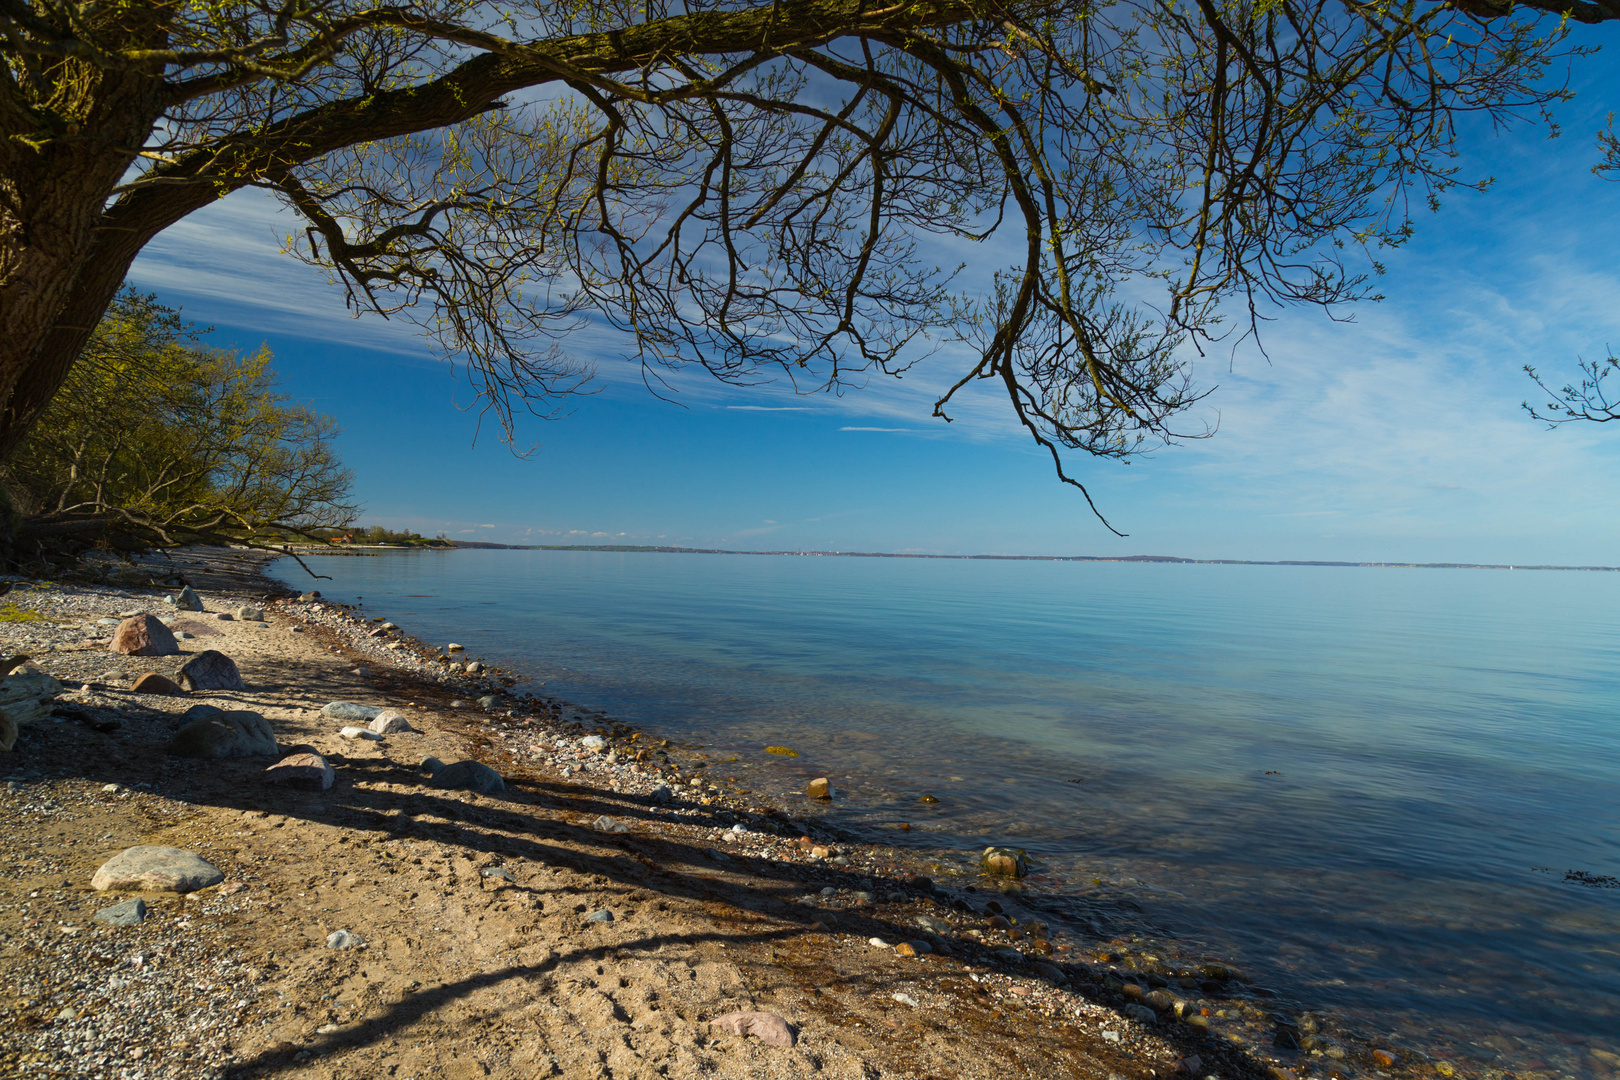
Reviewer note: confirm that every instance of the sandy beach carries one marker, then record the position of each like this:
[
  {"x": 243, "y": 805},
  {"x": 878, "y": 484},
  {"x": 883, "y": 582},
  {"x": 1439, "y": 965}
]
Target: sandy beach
[{"x": 476, "y": 939}]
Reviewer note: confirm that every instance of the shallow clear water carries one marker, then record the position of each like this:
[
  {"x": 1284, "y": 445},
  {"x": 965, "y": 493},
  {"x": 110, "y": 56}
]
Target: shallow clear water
[{"x": 1364, "y": 785}]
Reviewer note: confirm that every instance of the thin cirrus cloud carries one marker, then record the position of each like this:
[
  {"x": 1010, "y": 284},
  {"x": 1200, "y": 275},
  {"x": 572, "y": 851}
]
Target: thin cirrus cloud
[{"x": 1405, "y": 422}]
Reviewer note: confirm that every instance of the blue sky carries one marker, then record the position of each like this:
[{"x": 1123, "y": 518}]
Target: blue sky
[{"x": 1396, "y": 437}]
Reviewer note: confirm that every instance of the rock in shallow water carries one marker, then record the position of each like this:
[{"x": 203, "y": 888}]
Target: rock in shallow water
[
  {"x": 820, "y": 788},
  {"x": 1004, "y": 862},
  {"x": 152, "y": 868}
]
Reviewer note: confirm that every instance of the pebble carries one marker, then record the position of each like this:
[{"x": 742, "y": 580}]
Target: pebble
[
  {"x": 344, "y": 939},
  {"x": 359, "y": 733},
  {"x": 453, "y": 647},
  {"x": 129, "y": 913},
  {"x": 607, "y": 824},
  {"x": 820, "y": 788},
  {"x": 1383, "y": 1059},
  {"x": 600, "y": 916},
  {"x": 878, "y": 943},
  {"x": 1110, "y": 1036},
  {"x": 593, "y": 742},
  {"x": 498, "y": 872},
  {"x": 905, "y": 999}
]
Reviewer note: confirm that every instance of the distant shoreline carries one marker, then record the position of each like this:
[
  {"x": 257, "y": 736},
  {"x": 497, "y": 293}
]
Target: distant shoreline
[{"x": 665, "y": 550}]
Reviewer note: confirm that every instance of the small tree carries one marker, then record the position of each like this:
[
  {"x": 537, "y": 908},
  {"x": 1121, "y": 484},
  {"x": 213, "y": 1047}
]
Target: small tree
[{"x": 158, "y": 440}]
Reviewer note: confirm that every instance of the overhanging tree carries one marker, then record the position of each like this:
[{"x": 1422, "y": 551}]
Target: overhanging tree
[{"x": 755, "y": 186}]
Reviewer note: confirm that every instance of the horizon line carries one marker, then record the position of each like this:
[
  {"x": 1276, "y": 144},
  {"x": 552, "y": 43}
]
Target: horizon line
[{"x": 673, "y": 549}]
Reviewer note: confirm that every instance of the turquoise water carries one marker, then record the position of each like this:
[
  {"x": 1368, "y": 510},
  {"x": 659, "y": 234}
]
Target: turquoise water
[{"x": 1364, "y": 785}]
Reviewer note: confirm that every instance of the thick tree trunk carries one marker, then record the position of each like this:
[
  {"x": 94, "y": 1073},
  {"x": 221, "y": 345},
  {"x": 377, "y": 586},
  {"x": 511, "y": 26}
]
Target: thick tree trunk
[
  {"x": 60, "y": 265},
  {"x": 69, "y": 134}
]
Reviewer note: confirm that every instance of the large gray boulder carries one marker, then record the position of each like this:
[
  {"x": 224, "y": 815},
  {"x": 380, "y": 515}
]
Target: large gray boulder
[
  {"x": 211, "y": 670},
  {"x": 150, "y": 868},
  {"x": 185, "y": 600},
  {"x": 230, "y": 734},
  {"x": 469, "y": 776},
  {"x": 351, "y": 712}
]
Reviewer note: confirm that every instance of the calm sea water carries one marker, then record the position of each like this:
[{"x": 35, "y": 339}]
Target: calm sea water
[{"x": 1365, "y": 786}]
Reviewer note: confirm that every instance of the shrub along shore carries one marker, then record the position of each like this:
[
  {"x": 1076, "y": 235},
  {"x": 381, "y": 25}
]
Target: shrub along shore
[{"x": 381, "y": 907}]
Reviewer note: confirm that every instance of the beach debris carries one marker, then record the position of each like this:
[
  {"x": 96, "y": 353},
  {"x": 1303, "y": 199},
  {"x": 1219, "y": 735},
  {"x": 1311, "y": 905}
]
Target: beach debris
[
  {"x": 608, "y": 824},
  {"x": 359, "y": 733},
  {"x": 877, "y": 943},
  {"x": 390, "y": 722},
  {"x": 154, "y": 868},
  {"x": 211, "y": 670},
  {"x": 781, "y": 751},
  {"x": 225, "y": 735},
  {"x": 469, "y": 776},
  {"x": 305, "y": 772},
  {"x": 129, "y": 913},
  {"x": 153, "y": 683},
  {"x": 351, "y": 711},
  {"x": 144, "y": 635},
  {"x": 906, "y": 999},
  {"x": 820, "y": 788},
  {"x": 344, "y": 939},
  {"x": 1004, "y": 862},
  {"x": 768, "y": 1028}
]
